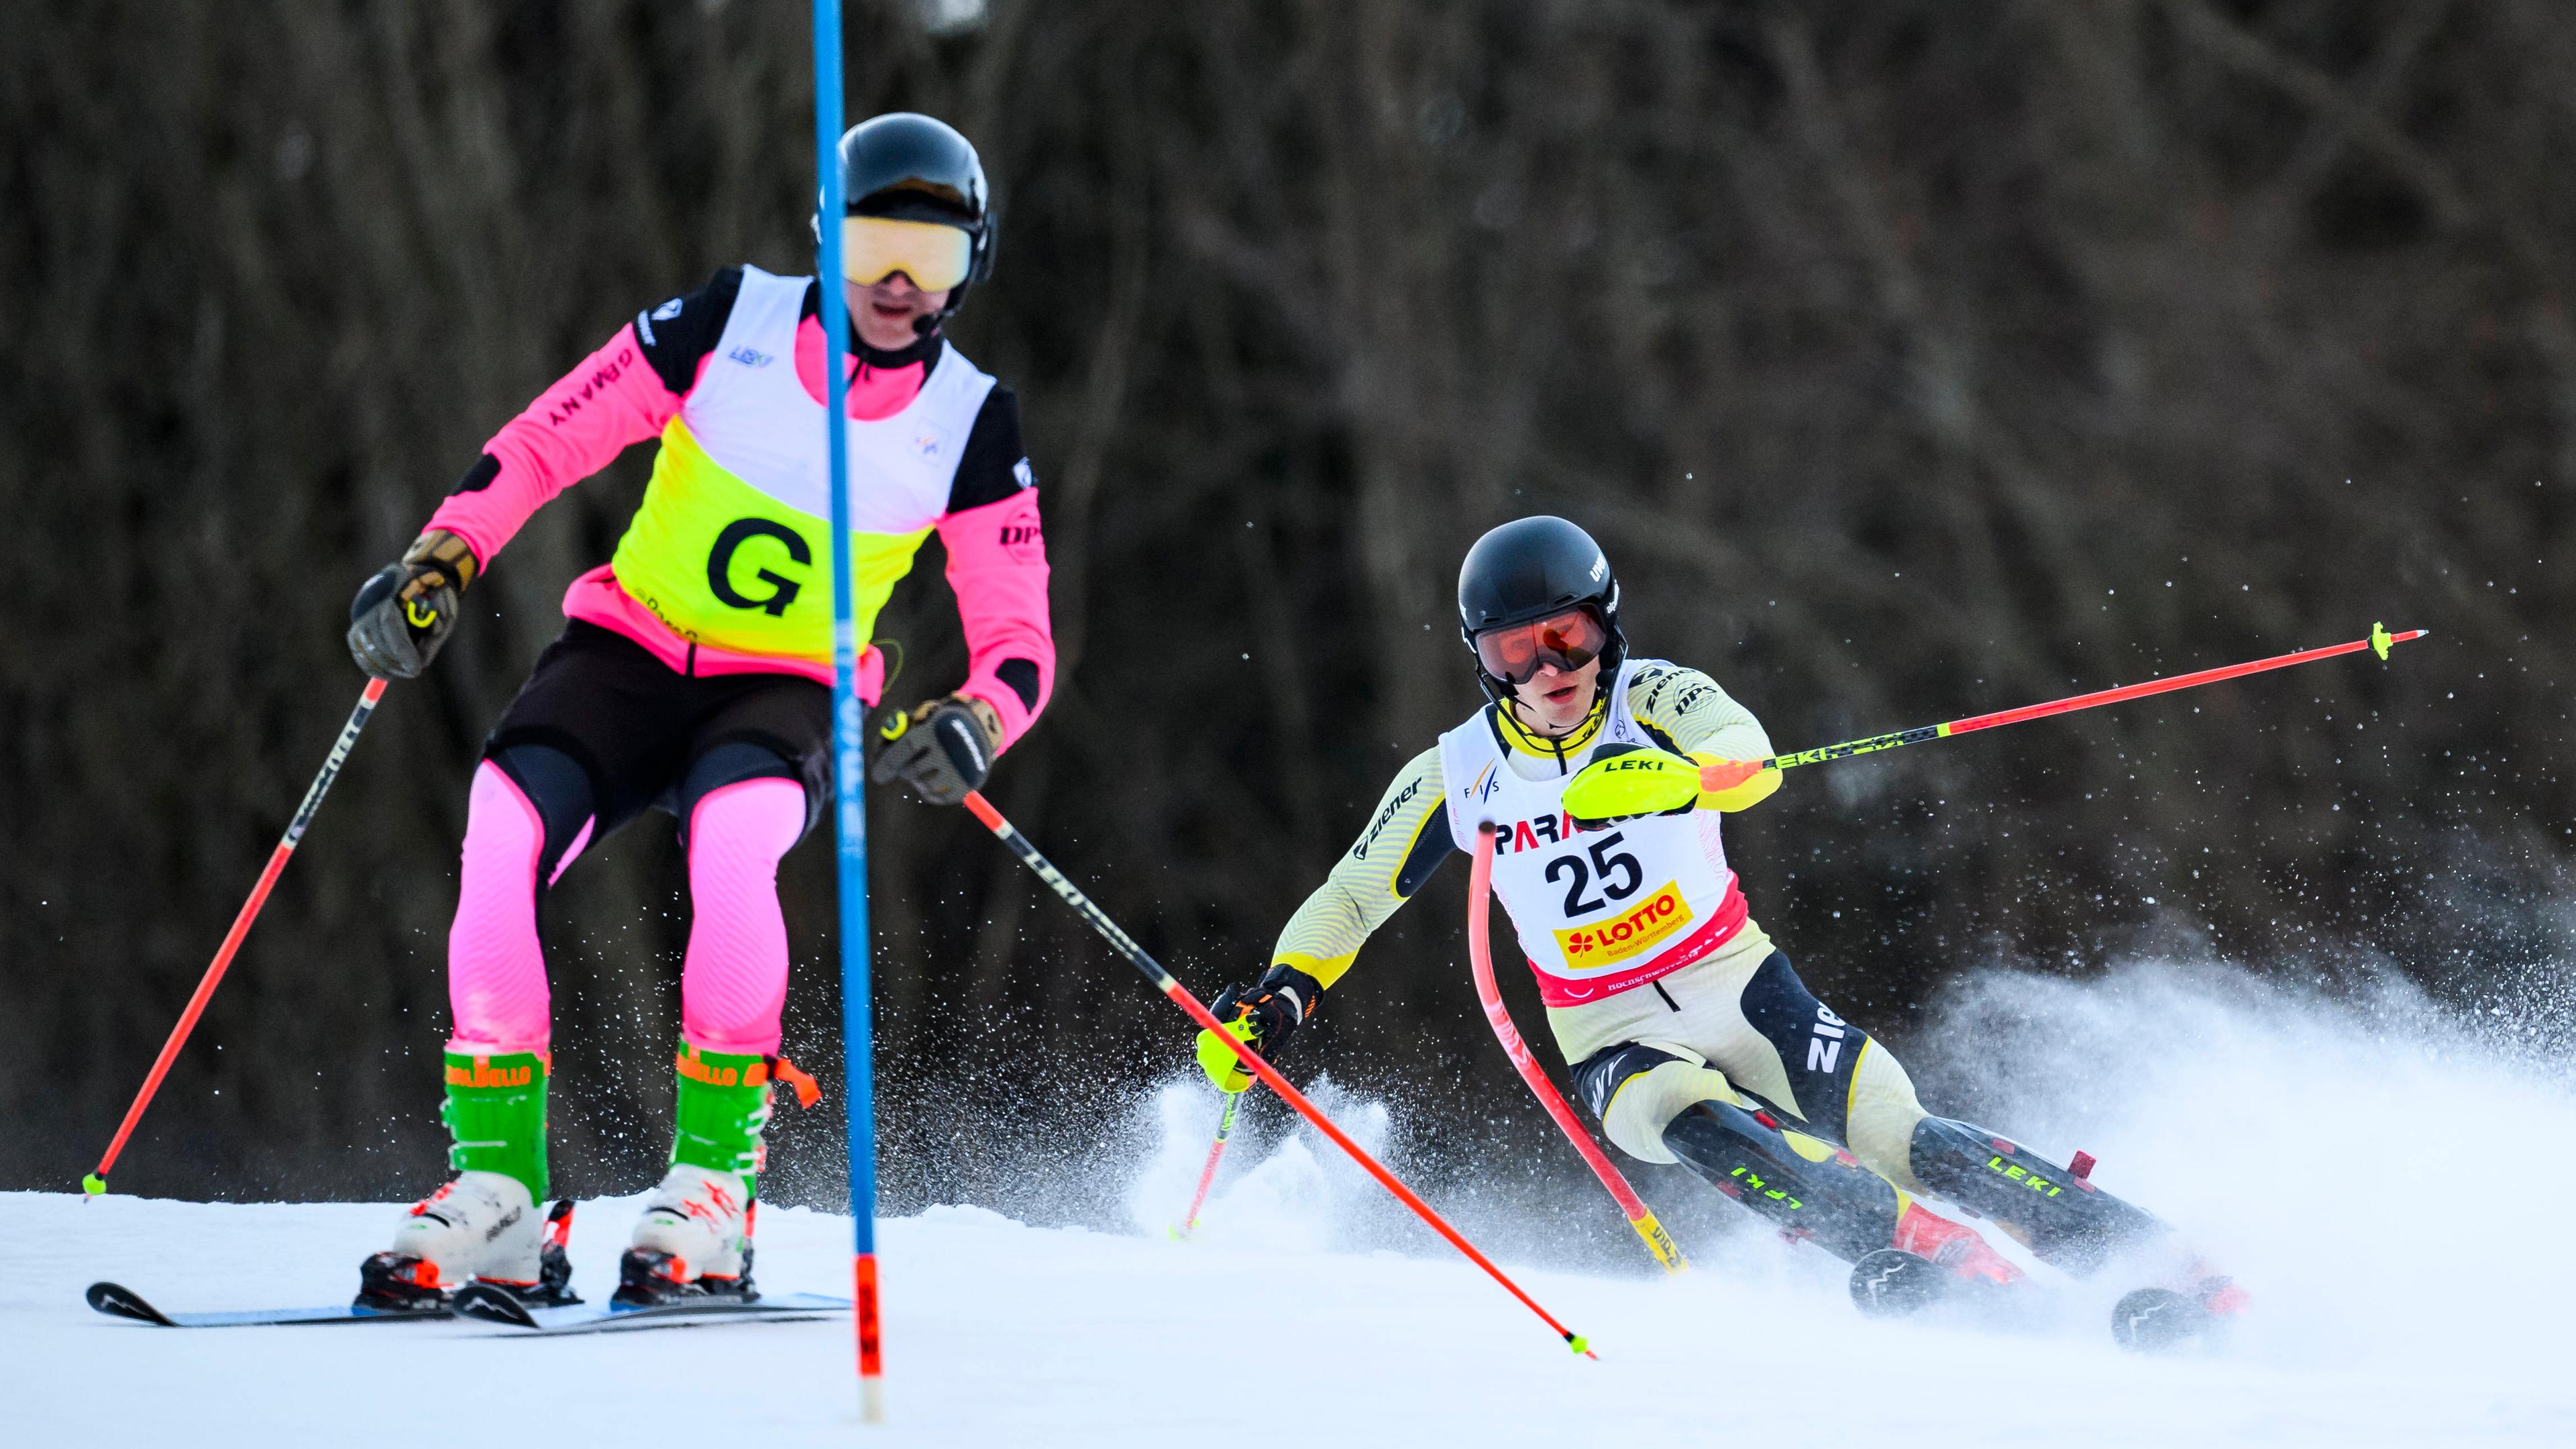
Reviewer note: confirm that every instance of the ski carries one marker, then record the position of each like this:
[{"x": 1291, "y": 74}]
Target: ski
[
  {"x": 118, "y": 1301},
  {"x": 1893, "y": 1283},
  {"x": 2160, "y": 1320},
  {"x": 479, "y": 1301},
  {"x": 492, "y": 1305}
]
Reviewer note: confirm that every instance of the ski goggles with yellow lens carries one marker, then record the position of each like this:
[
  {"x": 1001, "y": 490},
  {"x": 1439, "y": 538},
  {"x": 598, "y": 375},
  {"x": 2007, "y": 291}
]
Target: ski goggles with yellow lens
[{"x": 874, "y": 248}]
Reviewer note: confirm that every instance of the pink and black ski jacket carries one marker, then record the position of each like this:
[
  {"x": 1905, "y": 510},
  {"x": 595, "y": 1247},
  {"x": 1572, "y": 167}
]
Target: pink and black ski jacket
[{"x": 726, "y": 566}]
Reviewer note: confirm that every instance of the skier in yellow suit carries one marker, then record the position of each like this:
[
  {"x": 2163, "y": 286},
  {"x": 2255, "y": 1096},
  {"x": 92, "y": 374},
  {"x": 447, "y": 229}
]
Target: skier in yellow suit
[{"x": 1688, "y": 1034}]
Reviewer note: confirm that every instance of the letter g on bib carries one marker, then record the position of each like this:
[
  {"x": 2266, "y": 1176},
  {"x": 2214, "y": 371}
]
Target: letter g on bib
[{"x": 720, "y": 565}]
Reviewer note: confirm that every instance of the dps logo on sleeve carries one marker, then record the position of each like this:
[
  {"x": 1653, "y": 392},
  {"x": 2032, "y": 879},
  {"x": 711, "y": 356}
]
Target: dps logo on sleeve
[{"x": 782, "y": 589}]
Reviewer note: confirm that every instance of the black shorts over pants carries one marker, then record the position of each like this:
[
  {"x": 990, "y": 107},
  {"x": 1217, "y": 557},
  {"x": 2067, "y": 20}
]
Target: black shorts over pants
[{"x": 603, "y": 731}]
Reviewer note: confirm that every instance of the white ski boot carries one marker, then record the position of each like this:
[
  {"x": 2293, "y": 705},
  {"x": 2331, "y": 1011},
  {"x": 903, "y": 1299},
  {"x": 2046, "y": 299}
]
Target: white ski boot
[
  {"x": 694, "y": 1238},
  {"x": 481, "y": 1226}
]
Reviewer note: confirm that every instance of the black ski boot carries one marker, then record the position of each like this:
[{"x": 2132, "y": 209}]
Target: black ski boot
[
  {"x": 2067, "y": 1221},
  {"x": 1806, "y": 1187},
  {"x": 1904, "y": 1255}
]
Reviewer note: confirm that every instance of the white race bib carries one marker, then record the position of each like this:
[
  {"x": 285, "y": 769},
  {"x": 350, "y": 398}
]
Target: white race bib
[{"x": 1597, "y": 911}]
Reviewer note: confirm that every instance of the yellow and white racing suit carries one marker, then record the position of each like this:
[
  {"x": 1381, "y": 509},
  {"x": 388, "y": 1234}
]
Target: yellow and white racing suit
[
  {"x": 1683, "y": 1025},
  {"x": 1735, "y": 1018}
]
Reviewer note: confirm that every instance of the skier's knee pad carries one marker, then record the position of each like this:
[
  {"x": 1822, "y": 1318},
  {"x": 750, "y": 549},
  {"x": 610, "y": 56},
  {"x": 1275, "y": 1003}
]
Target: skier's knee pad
[
  {"x": 559, "y": 789},
  {"x": 1636, "y": 1088},
  {"x": 1883, "y": 1116}
]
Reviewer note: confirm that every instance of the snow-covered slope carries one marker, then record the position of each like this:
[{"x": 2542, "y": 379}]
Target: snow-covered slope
[{"x": 2394, "y": 1191}]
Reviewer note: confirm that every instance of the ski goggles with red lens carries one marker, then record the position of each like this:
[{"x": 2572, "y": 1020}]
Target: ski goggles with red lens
[
  {"x": 1514, "y": 653},
  {"x": 874, "y": 248}
]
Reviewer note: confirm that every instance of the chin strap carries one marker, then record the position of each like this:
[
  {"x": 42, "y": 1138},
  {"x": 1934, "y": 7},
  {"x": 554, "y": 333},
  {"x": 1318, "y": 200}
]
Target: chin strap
[{"x": 1558, "y": 745}]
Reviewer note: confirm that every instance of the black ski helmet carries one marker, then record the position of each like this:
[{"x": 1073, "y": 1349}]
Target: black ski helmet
[
  {"x": 913, "y": 167},
  {"x": 1528, "y": 569}
]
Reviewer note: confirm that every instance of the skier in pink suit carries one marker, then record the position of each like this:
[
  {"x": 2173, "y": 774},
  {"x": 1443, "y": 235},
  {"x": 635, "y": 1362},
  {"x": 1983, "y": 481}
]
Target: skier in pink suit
[{"x": 693, "y": 675}]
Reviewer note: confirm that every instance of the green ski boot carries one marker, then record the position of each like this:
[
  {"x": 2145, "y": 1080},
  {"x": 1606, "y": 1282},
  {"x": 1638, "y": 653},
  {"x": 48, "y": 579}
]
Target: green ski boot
[
  {"x": 694, "y": 1237},
  {"x": 483, "y": 1225}
]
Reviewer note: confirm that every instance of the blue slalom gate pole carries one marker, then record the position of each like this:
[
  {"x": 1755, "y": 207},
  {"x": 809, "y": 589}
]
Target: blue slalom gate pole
[{"x": 849, "y": 779}]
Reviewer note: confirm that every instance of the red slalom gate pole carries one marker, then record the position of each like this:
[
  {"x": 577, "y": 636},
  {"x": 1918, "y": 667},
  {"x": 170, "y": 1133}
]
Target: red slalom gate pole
[
  {"x": 2378, "y": 643},
  {"x": 96, "y": 1182},
  {"x": 1480, "y": 956},
  {"x": 1072, "y": 895}
]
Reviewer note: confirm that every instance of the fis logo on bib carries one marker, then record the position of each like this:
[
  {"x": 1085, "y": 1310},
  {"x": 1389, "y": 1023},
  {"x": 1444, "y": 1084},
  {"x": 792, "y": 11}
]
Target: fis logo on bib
[{"x": 1629, "y": 934}]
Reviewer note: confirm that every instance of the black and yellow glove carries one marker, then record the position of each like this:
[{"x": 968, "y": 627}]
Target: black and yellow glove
[
  {"x": 942, "y": 748},
  {"x": 1625, "y": 783},
  {"x": 1262, "y": 1016},
  {"x": 406, "y": 610}
]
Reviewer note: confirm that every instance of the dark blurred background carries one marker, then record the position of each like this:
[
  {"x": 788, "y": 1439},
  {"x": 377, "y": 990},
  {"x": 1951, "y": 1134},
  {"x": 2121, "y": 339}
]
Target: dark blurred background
[{"x": 1911, "y": 358}]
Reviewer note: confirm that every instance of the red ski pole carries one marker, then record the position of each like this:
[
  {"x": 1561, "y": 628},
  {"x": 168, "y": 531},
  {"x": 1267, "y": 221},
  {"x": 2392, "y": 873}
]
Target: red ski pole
[
  {"x": 1072, "y": 895},
  {"x": 1480, "y": 956},
  {"x": 96, "y": 1182},
  {"x": 1207, "y": 1174},
  {"x": 2378, "y": 642}
]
